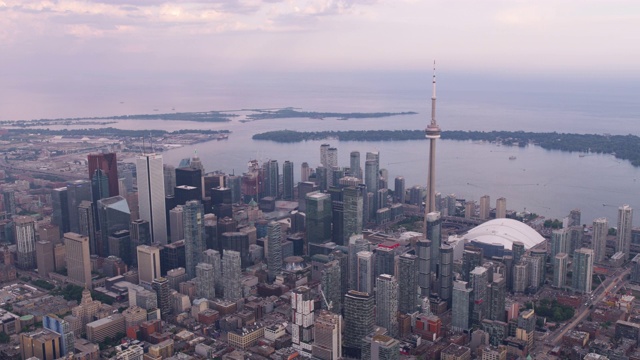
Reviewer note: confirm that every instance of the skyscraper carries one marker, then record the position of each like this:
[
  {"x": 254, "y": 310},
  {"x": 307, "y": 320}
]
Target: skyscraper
[
  {"x": 559, "y": 241},
  {"x": 385, "y": 262},
  {"x": 327, "y": 343},
  {"x": 163, "y": 291},
  {"x": 205, "y": 284},
  {"x": 501, "y": 208},
  {"x": 432, "y": 133},
  {"x": 446, "y": 273},
  {"x": 274, "y": 249},
  {"x": 461, "y": 308},
  {"x": 423, "y": 248},
  {"x": 78, "y": 258},
  {"x": 324, "y": 154},
  {"x": 62, "y": 328},
  {"x": 331, "y": 283},
  {"x": 582, "y": 270},
  {"x": 625, "y": 222},
  {"x": 353, "y": 208},
  {"x": 151, "y": 197},
  {"x": 24, "y": 232},
  {"x": 433, "y": 233},
  {"x": 356, "y": 244},
  {"x": 113, "y": 215},
  {"x": 272, "y": 186},
  {"x": 302, "y": 320},
  {"x": 169, "y": 173},
  {"x": 371, "y": 170},
  {"x": 485, "y": 207},
  {"x": 574, "y": 218},
  {"x": 385, "y": 347},
  {"x": 399, "y": 190},
  {"x": 60, "y": 205},
  {"x": 318, "y": 224},
  {"x": 354, "y": 164},
  {"x": 287, "y": 181},
  {"x": 408, "y": 283},
  {"x": 305, "y": 172},
  {"x": 599, "y": 239},
  {"x": 560, "y": 270},
  {"x": 148, "y": 258},
  {"x": 231, "y": 271},
  {"x": 77, "y": 191},
  {"x": 387, "y": 303},
  {"x": 108, "y": 166},
  {"x": 497, "y": 295},
  {"x": 365, "y": 271},
  {"x": 212, "y": 257},
  {"x": 359, "y": 320},
  {"x": 194, "y": 240},
  {"x": 478, "y": 280},
  {"x": 86, "y": 225},
  {"x": 517, "y": 248},
  {"x": 9, "y": 201}
]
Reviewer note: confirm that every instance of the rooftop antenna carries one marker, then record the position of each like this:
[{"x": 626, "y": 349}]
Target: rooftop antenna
[{"x": 151, "y": 142}]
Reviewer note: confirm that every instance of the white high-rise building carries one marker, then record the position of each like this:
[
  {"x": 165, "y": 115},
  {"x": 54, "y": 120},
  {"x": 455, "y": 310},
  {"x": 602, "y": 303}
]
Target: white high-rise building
[
  {"x": 625, "y": 219},
  {"x": 599, "y": 238},
  {"x": 151, "y": 197}
]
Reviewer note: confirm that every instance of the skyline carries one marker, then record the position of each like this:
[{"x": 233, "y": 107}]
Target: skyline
[{"x": 61, "y": 50}]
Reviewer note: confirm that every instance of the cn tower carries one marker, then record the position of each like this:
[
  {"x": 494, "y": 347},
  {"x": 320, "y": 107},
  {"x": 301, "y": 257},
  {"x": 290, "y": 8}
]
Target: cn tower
[{"x": 432, "y": 133}]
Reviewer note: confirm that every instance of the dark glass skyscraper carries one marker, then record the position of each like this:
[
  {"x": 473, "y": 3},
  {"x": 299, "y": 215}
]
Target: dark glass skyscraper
[
  {"x": 359, "y": 320},
  {"x": 77, "y": 191},
  {"x": 108, "y": 166},
  {"x": 113, "y": 215},
  {"x": 318, "y": 217},
  {"x": 60, "y": 205},
  {"x": 407, "y": 283},
  {"x": 287, "y": 180}
]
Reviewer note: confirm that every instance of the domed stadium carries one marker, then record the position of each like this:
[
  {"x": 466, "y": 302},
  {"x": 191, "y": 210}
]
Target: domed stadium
[{"x": 505, "y": 232}]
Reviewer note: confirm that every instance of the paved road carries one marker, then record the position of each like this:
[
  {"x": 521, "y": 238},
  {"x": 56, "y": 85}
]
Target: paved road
[{"x": 599, "y": 294}]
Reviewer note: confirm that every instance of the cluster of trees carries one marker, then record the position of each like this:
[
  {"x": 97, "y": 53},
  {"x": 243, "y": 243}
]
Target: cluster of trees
[
  {"x": 553, "y": 224},
  {"x": 553, "y": 310},
  {"x": 293, "y": 113},
  {"x": 43, "y": 284}
]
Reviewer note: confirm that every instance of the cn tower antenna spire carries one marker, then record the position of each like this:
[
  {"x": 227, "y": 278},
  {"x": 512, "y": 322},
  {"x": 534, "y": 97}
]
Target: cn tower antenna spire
[{"x": 432, "y": 133}]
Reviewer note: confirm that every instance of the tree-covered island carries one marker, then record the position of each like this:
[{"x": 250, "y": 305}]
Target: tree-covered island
[
  {"x": 287, "y": 113},
  {"x": 624, "y": 147}
]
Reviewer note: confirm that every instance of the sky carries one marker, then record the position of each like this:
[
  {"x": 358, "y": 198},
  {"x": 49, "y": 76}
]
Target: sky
[{"x": 49, "y": 46}]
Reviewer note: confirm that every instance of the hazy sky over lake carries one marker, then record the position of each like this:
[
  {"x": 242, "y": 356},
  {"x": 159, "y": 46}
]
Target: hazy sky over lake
[{"x": 72, "y": 42}]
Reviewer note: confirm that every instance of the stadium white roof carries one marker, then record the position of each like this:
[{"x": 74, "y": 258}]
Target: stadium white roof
[{"x": 505, "y": 232}]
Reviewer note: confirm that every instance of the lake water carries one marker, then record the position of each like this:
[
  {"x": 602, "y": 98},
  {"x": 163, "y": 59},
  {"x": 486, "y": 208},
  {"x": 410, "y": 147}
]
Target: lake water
[{"x": 550, "y": 183}]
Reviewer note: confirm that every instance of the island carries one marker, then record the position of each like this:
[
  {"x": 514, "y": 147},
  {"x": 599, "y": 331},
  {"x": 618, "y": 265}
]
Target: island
[
  {"x": 287, "y": 113},
  {"x": 624, "y": 147}
]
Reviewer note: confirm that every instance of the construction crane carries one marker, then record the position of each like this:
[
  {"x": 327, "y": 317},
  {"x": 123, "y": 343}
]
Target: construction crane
[{"x": 329, "y": 304}]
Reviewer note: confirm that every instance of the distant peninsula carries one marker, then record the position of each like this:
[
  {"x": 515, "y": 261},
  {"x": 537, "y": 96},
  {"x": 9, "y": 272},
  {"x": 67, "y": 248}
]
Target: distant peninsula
[
  {"x": 287, "y": 113},
  {"x": 624, "y": 147},
  {"x": 107, "y": 132}
]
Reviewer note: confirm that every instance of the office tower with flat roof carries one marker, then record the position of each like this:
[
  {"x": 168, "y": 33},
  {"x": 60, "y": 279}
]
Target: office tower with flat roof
[
  {"x": 371, "y": 181},
  {"x": 140, "y": 235},
  {"x": 365, "y": 271},
  {"x": 9, "y": 202},
  {"x": 304, "y": 188},
  {"x": 120, "y": 246},
  {"x": 161, "y": 287},
  {"x": 359, "y": 318},
  {"x": 536, "y": 270},
  {"x": 87, "y": 226},
  {"x": 356, "y": 244},
  {"x": 318, "y": 224},
  {"x": 184, "y": 193},
  {"x": 478, "y": 280},
  {"x": 40, "y": 344},
  {"x": 560, "y": 262},
  {"x": 60, "y": 206},
  {"x": 501, "y": 208},
  {"x": 190, "y": 177},
  {"x": 423, "y": 249},
  {"x": 107, "y": 163},
  {"x": 78, "y": 258},
  {"x": 63, "y": 329},
  {"x": 172, "y": 256},
  {"x": 176, "y": 226},
  {"x": 399, "y": 194},
  {"x": 623, "y": 237},
  {"x": 472, "y": 257},
  {"x": 113, "y": 215},
  {"x": 599, "y": 239},
  {"x": 305, "y": 172},
  {"x": 461, "y": 306},
  {"x": 151, "y": 196},
  {"x": 321, "y": 179},
  {"x": 387, "y": 303},
  {"x": 169, "y": 173},
  {"x": 99, "y": 186},
  {"x": 231, "y": 271},
  {"x": 272, "y": 179},
  {"x": 287, "y": 181},
  {"x": 44, "y": 258},
  {"x": 433, "y": 233},
  {"x": 274, "y": 249},
  {"x": 582, "y": 270},
  {"x": 205, "y": 283},
  {"x": 469, "y": 209},
  {"x": 354, "y": 164},
  {"x": 497, "y": 294},
  {"x": 385, "y": 347},
  {"x": 353, "y": 209},
  {"x": 385, "y": 262},
  {"x": 194, "y": 240},
  {"x": 559, "y": 241},
  {"x": 148, "y": 263},
  {"x": 324, "y": 154},
  {"x": 485, "y": 207},
  {"x": 407, "y": 283},
  {"x": 327, "y": 342},
  {"x": 234, "y": 183},
  {"x": 24, "y": 231},
  {"x": 77, "y": 191},
  {"x": 520, "y": 277},
  {"x": 331, "y": 284},
  {"x": 446, "y": 273}
]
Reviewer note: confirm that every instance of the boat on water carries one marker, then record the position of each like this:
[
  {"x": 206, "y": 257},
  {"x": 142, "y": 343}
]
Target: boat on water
[
  {"x": 512, "y": 157},
  {"x": 222, "y": 137}
]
